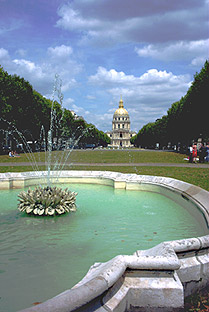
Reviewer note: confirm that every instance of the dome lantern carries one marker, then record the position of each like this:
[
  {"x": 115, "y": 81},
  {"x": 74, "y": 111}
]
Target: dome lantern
[
  {"x": 121, "y": 110},
  {"x": 121, "y": 102}
]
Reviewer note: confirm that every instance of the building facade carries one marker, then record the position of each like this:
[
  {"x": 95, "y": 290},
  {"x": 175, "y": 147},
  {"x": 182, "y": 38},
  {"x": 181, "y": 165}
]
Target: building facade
[{"x": 121, "y": 134}]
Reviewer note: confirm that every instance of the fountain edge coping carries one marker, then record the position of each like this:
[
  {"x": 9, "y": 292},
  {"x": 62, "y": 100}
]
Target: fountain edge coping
[
  {"x": 119, "y": 180},
  {"x": 101, "y": 276}
]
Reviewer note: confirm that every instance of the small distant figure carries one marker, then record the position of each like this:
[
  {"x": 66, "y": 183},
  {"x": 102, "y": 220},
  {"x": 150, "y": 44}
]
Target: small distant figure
[
  {"x": 202, "y": 153},
  {"x": 190, "y": 153},
  {"x": 16, "y": 154},
  {"x": 11, "y": 154},
  {"x": 207, "y": 152},
  {"x": 194, "y": 153}
]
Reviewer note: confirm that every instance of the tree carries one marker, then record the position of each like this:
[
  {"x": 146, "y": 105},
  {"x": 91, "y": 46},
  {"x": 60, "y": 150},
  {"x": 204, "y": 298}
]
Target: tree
[
  {"x": 24, "y": 109},
  {"x": 185, "y": 121}
]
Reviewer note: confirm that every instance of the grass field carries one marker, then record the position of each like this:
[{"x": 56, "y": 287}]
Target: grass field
[
  {"x": 105, "y": 156},
  {"x": 196, "y": 176}
]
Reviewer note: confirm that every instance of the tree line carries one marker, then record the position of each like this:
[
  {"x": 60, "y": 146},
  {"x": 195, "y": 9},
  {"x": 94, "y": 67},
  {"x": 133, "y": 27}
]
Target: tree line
[
  {"x": 24, "y": 110},
  {"x": 186, "y": 120}
]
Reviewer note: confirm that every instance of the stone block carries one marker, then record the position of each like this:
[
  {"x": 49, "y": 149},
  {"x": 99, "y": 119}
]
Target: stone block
[
  {"x": 5, "y": 184},
  {"x": 116, "y": 297},
  {"x": 190, "y": 268},
  {"x": 203, "y": 258},
  {"x": 145, "y": 289},
  {"x": 155, "y": 289},
  {"x": 119, "y": 184}
]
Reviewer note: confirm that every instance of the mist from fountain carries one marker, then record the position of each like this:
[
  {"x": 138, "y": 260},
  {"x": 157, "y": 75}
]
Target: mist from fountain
[{"x": 46, "y": 142}]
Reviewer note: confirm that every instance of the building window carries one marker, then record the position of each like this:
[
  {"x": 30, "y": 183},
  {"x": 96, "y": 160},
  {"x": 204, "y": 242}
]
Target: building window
[
  {"x": 123, "y": 126},
  {"x": 121, "y": 135},
  {"x": 118, "y": 118},
  {"x": 118, "y": 126}
]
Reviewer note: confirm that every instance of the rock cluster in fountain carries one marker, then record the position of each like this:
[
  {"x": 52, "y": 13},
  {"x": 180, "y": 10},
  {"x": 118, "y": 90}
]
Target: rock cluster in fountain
[{"x": 47, "y": 201}]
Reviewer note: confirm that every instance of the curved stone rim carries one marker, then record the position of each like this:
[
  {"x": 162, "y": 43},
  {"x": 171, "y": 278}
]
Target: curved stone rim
[
  {"x": 118, "y": 180},
  {"x": 102, "y": 276}
]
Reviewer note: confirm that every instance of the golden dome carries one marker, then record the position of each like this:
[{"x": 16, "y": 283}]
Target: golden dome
[{"x": 121, "y": 110}]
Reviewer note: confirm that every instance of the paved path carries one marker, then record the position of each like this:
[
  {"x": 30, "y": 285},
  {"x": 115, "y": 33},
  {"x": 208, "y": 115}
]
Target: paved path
[{"x": 15, "y": 164}]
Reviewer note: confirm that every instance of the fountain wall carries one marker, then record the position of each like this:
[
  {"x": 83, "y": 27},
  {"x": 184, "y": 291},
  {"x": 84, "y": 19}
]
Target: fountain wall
[{"x": 148, "y": 280}]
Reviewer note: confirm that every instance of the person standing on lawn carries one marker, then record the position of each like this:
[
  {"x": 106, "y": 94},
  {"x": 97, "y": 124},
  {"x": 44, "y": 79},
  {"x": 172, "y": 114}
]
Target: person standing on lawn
[
  {"x": 202, "y": 153},
  {"x": 190, "y": 153},
  {"x": 194, "y": 153},
  {"x": 207, "y": 152}
]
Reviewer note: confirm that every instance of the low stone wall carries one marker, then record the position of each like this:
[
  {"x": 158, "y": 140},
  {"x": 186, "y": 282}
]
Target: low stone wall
[{"x": 156, "y": 279}]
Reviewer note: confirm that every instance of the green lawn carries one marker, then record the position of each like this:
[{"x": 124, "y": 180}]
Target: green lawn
[
  {"x": 105, "y": 156},
  {"x": 125, "y": 156},
  {"x": 196, "y": 176}
]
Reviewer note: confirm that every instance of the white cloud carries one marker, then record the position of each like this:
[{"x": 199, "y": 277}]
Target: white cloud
[
  {"x": 72, "y": 19},
  {"x": 198, "y": 61},
  {"x": 62, "y": 51},
  {"x": 4, "y": 55},
  {"x": 109, "y": 22},
  {"x": 21, "y": 52},
  {"x": 68, "y": 102},
  {"x": 90, "y": 97},
  {"x": 146, "y": 97},
  {"x": 181, "y": 50},
  {"x": 80, "y": 111},
  {"x": 105, "y": 77},
  {"x": 162, "y": 31},
  {"x": 101, "y": 121},
  {"x": 41, "y": 75},
  {"x": 25, "y": 65},
  {"x": 11, "y": 25}
]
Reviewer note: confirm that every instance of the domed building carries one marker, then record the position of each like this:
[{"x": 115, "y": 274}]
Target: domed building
[{"x": 121, "y": 135}]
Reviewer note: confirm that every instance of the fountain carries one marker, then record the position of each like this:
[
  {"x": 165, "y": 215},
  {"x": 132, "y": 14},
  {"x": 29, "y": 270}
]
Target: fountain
[
  {"x": 149, "y": 279},
  {"x": 47, "y": 201},
  {"x": 177, "y": 267}
]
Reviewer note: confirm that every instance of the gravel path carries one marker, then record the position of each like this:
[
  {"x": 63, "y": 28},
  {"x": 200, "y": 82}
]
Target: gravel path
[{"x": 16, "y": 164}]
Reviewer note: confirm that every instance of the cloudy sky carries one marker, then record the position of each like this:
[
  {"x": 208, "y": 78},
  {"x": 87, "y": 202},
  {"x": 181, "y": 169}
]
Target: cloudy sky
[{"x": 145, "y": 50}]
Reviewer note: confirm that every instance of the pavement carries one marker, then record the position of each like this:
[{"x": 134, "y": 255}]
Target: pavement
[{"x": 70, "y": 164}]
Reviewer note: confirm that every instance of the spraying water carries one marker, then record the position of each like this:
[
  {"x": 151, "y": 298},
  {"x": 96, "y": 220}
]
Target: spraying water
[
  {"x": 49, "y": 200},
  {"x": 52, "y": 143}
]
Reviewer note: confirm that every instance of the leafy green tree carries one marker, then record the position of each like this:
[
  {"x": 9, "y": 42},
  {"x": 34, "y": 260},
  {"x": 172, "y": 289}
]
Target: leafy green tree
[
  {"x": 185, "y": 121},
  {"x": 28, "y": 111}
]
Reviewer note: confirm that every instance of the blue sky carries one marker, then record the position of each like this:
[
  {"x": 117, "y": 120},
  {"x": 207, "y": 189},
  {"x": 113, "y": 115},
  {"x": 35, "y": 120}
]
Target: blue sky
[{"x": 145, "y": 50}]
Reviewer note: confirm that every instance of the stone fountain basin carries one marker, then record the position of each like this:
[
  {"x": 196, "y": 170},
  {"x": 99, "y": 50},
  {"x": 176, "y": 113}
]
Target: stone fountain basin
[{"x": 164, "y": 274}]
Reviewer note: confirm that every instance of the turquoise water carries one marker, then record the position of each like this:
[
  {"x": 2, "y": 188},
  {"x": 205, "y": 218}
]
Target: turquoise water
[{"x": 41, "y": 257}]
